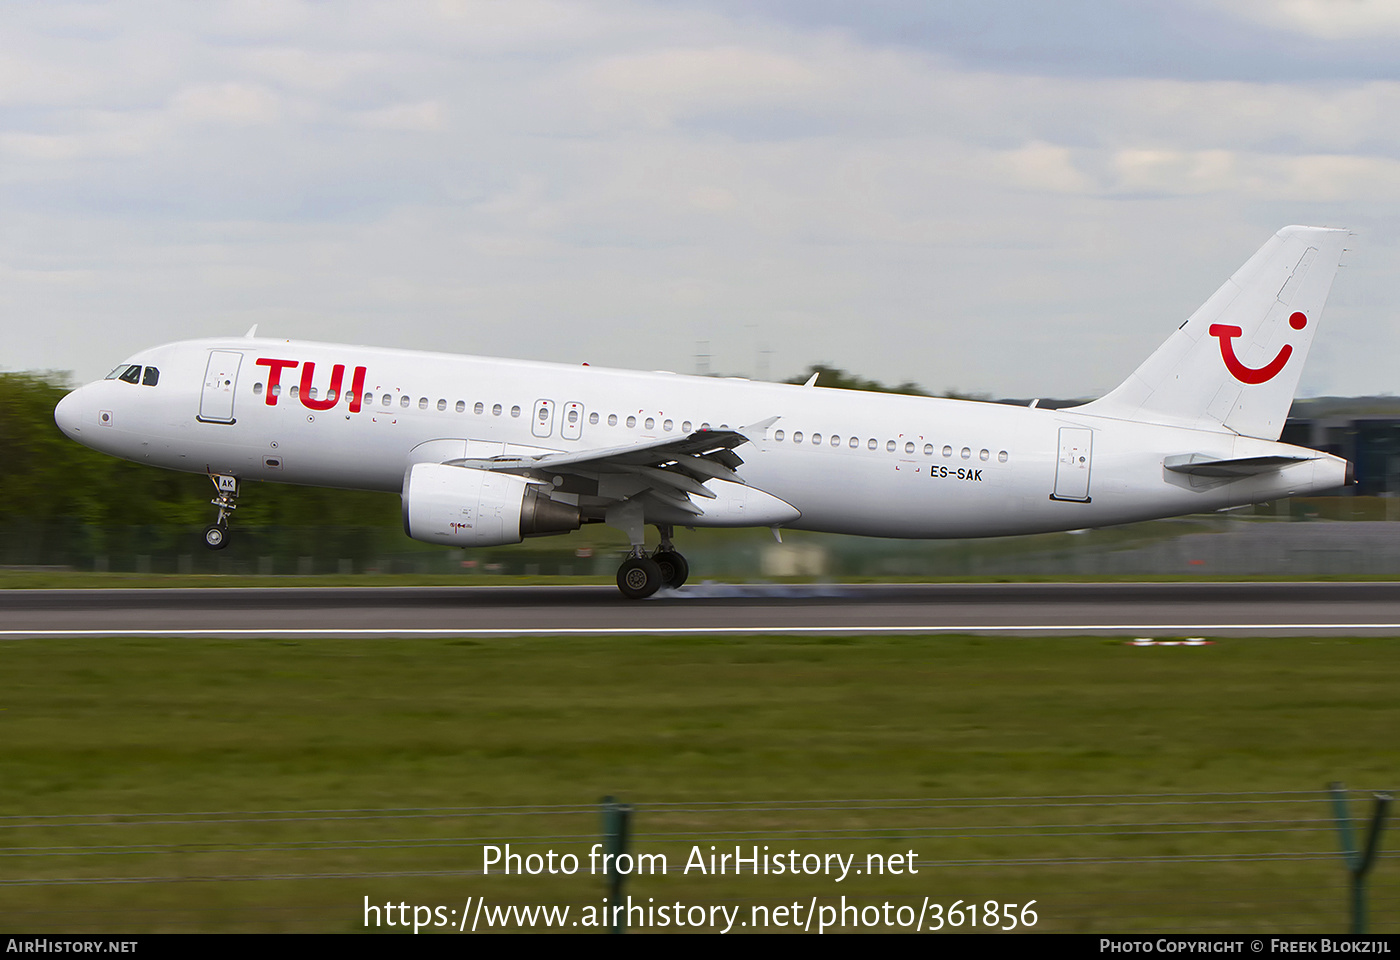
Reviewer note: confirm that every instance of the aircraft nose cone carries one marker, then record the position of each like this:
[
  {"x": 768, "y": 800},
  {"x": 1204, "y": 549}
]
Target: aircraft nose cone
[{"x": 67, "y": 415}]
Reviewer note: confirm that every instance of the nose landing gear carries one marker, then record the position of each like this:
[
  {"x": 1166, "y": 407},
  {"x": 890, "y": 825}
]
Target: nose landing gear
[{"x": 216, "y": 534}]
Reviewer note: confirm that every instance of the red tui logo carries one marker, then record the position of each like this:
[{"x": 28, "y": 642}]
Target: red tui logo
[
  {"x": 1227, "y": 334},
  {"x": 308, "y": 371}
]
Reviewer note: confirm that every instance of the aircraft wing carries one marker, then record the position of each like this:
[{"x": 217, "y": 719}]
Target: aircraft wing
[
  {"x": 670, "y": 469},
  {"x": 702, "y": 443}
]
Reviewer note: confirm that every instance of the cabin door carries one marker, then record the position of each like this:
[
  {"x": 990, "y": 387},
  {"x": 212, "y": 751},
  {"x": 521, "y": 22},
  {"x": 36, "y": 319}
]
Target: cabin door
[
  {"x": 1072, "y": 470},
  {"x": 220, "y": 383}
]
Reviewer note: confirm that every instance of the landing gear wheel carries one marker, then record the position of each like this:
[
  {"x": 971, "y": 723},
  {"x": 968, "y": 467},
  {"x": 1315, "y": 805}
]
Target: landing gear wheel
[
  {"x": 674, "y": 569},
  {"x": 639, "y": 577},
  {"x": 216, "y": 536}
]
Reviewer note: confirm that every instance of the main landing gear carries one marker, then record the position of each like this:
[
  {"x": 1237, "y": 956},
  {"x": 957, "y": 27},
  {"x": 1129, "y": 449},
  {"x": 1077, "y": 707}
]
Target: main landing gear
[
  {"x": 640, "y": 575},
  {"x": 216, "y": 534}
]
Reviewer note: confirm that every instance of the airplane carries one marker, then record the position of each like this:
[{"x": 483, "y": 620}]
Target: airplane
[{"x": 486, "y": 452}]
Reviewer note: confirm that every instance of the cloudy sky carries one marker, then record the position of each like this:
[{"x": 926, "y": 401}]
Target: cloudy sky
[{"x": 1009, "y": 196}]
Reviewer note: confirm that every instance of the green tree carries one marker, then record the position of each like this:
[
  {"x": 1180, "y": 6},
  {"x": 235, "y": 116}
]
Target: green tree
[
  {"x": 829, "y": 376},
  {"x": 46, "y": 476}
]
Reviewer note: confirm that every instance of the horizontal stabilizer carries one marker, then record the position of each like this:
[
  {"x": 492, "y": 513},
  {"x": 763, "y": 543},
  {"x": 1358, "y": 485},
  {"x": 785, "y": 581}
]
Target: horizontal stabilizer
[{"x": 1200, "y": 465}]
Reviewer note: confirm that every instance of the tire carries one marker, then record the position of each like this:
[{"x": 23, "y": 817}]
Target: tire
[
  {"x": 216, "y": 536},
  {"x": 638, "y": 577},
  {"x": 674, "y": 569}
]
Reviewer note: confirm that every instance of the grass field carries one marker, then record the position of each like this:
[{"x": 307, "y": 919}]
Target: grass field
[{"x": 110, "y": 739}]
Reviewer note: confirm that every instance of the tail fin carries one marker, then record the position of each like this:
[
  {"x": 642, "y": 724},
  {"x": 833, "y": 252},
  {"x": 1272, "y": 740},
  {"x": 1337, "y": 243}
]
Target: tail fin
[{"x": 1235, "y": 363}]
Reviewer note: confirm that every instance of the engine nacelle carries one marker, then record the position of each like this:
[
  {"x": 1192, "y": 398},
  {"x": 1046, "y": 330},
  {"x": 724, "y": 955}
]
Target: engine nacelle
[{"x": 462, "y": 507}]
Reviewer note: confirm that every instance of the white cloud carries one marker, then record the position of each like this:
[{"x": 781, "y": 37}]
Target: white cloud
[
  {"x": 1041, "y": 166},
  {"x": 238, "y": 103},
  {"x": 1174, "y": 171},
  {"x": 1309, "y": 178},
  {"x": 425, "y": 117},
  {"x": 665, "y": 85},
  {"x": 310, "y": 70},
  {"x": 1324, "y": 19},
  {"x": 623, "y": 178}
]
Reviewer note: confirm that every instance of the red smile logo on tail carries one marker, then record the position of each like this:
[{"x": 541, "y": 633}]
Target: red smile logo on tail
[{"x": 1227, "y": 334}]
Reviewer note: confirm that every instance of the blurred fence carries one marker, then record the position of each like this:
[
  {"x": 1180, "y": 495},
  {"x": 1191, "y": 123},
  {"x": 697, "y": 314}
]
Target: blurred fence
[
  {"x": 1324, "y": 537},
  {"x": 1263, "y": 862}
]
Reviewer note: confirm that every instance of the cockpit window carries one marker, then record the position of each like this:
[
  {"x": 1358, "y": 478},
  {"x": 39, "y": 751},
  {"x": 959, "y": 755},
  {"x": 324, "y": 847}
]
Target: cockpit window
[{"x": 130, "y": 372}]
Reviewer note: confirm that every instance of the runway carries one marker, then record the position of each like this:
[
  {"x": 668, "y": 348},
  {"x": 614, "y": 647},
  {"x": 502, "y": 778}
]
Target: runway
[{"x": 998, "y": 609}]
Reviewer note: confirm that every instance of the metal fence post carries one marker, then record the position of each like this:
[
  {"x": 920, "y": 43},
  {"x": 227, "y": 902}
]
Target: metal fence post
[
  {"x": 1358, "y": 862},
  {"x": 617, "y": 821}
]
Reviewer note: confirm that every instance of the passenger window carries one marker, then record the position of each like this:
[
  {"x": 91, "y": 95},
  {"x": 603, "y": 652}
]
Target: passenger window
[
  {"x": 479, "y": 409},
  {"x": 257, "y": 389},
  {"x": 668, "y": 425},
  {"x": 461, "y": 406},
  {"x": 386, "y": 400},
  {"x": 947, "y": 451},
  {"x": 685, "y": 427},
  {"x": 651, "y": 423},
  {"x": 816, "y": 438},
  {"x": 496, "y": 410},
  {"x": 983, "y": 455},
  {"x": 515, "y": 411},
  {"x": 966, "y": 453},
  {"x": 928, "y": 449},
  {"x": 778, "y": 435},
  {"x": 132, "y": 374},
  {"x": 593, "y": 418},
  {"x": 311, "y": 393},
  {"x": 855, "y": 443},
  {"x": 612, "y": 419},
  {"x": 295, "y": 390},
  {"x": 797, "y": 436},
  {"x": 442, "y": 404},
  {"x": 573, "y": 416},
  {"x": 403, "y": 400},
  {"x": 1001, "y": 457},
  {"x": 835, "y": 440},
  {"x": 704, "y": 426},
  {"x": 151, "y": 377},
  {"x": 909, "y": 447},
  {"x": 422, "y": 403},
  {"x": 276, "y": 390},
  {"x": 544, "y": 414},
  {"x": 369, "y": 399},
  {"x": 631, "y": 422},
  {"x": 889, "y": 446}
]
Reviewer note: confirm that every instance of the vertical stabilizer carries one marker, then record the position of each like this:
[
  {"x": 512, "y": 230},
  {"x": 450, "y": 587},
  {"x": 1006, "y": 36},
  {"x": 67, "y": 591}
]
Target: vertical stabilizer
[{"x": 1235, "y": 363}]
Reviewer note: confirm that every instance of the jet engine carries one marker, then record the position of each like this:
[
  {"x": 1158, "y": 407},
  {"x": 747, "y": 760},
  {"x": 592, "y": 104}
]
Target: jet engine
[{"x": 462, "y": 507}]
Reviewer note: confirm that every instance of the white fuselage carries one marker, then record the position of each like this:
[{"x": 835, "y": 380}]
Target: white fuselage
[{"x": 871, "y": 464}]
